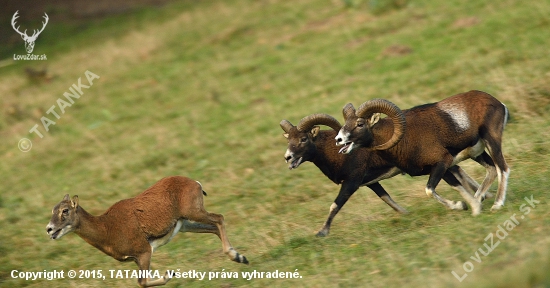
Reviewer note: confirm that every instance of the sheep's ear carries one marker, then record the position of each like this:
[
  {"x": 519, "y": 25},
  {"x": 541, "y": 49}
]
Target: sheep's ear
[
  {"x": 374, "y": 119},
  {"x": 286, "y": 135},
  {"x": 74, "y": 201},
  {"x": 315, "y": 131}
]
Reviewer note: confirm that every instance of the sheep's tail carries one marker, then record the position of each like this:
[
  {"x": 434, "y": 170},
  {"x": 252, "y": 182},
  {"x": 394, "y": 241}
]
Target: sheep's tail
[
  {"x": 203, "y": 192},
  {"x": 506, "y": 114}
]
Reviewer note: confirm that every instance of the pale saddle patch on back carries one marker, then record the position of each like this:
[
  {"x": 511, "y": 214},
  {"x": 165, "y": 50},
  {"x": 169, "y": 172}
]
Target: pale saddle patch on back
[{"x": 457, "y": 113}]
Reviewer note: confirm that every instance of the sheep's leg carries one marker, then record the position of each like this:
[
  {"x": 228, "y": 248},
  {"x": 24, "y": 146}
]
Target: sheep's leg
[
  {"x": 465, "y": 180},
  {"x": 347, "y": 189},
  {"x": 144, "y": 262},
  {"x": 485, "y": 160},
  {"x": 502, "y": 184},
  {"x": 379, "y": 190},
  {"x": 437, "y": 173},
  {"x": 197, "y": 227},
  {"x": 467, "y": 195},
  {"x": 492, "y": 138},
  {"x": 205, "y": 222},
  {"x": 468, "y": 182},
  {"x": 502, "y": 169}
]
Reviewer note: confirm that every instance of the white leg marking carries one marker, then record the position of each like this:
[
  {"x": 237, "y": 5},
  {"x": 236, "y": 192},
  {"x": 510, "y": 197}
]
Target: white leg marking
[
  {"x": 332, "y": 207},
  {"x": 458, "y": 205},
  {"x": 502, "y": 187},
  {"x": 474, "y": 203},
  {"x": 429, "y": 192},
  {"x": 490, "y": 176},
  {"x": 501, "y": 192}
]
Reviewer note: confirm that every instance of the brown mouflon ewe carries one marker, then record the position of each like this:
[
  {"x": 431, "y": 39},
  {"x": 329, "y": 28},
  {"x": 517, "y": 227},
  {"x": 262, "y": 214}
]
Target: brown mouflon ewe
[{"x": 132, "y": 229}]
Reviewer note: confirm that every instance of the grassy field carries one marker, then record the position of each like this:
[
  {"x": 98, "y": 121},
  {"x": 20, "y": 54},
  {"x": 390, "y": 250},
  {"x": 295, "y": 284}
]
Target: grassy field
[{"x": 199, "y": 89}]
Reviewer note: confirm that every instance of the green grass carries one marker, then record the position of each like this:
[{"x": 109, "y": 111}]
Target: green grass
[{"x": 198, "y": 89}]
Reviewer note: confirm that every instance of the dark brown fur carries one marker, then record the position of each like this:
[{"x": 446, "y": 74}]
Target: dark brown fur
[
  {"x": 433, "y": 138},
  {"x": 359, "y": 168}
]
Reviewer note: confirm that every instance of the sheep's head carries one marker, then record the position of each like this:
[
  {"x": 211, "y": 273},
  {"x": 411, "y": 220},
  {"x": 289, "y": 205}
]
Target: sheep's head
[
  {"x": 357, "y": 131},
  {"x": 64, "y": 218},
  {"x": 301, "y": 138}
]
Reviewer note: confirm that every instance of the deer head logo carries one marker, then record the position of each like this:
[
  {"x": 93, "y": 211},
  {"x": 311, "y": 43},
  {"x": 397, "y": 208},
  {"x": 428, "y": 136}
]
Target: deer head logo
[{"x": 29, "y": 40}]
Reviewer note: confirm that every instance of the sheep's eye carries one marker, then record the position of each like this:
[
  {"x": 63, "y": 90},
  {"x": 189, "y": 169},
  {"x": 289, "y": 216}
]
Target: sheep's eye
[
  {"x": 65, "y": 211},
  {"x": 303, "y": 140}
]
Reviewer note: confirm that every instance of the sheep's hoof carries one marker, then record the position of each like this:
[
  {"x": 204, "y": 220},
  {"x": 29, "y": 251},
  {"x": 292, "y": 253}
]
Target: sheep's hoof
[
  {"x": 460, "y": 205},
  {"x": 476, "y": 210},
  {"x": 322, "y": 233},
  {"x": 167, "y": 277},
  {"x": 487, "y": 195},
  {"x": 496, "y": 207},
  {"x": 241, "y": 259}
]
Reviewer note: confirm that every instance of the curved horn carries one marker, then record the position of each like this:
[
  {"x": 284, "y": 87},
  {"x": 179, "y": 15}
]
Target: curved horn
[
  {"x": 396, "y": 115},
  {"x": 348, "y": 111},
  {"x": 318, "y": 119},
  {"x": 286, "y": 125}
]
